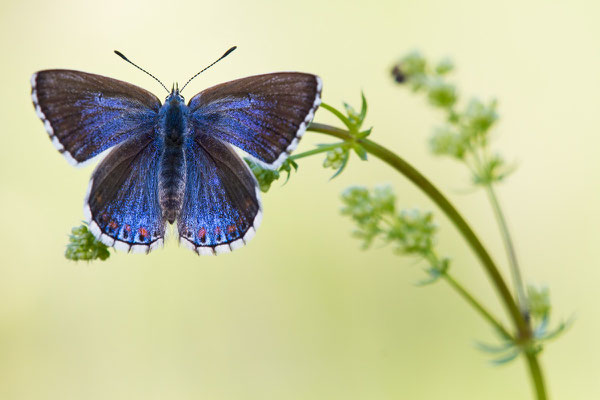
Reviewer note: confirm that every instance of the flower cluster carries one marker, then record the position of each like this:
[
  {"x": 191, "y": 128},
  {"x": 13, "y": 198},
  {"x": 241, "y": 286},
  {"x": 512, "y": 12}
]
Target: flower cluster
[
  {"x": 335, "y": 158},
  {"x": 411, "y": 232},
  {"x": 265, "y": 177},
  {"x": 84, "y": 246},
  {"x": 465, "y": 135}
]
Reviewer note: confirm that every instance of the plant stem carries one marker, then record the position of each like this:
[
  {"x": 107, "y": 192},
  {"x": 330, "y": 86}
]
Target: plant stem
[
  {"x": 524, "y": 334},
  {"x": 477, "y": 305},
  {"x": 510, "y": 250},
  {"x": 320, "y": 149},
  {"x": 536, "y": 374}
]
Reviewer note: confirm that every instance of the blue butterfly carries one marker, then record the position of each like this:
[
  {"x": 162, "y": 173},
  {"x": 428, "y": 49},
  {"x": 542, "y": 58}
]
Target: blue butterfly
[{"x": 174, "y": 162}]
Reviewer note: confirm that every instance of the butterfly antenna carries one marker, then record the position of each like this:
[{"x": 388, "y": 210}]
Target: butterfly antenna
[
  {"x": 140, "y": 68},
  {"x": 220, "y": 58}
]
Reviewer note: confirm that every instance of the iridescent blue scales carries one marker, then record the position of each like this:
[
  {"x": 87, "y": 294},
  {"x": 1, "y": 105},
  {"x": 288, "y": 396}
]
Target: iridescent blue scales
[{"x": 174, "y": 162}]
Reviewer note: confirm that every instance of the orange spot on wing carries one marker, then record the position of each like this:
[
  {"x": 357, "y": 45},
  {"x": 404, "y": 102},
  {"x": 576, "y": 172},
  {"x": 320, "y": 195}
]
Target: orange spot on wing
[
  {"x": 201, "y": 232},
  {"x": 113, "y": 225},
  {"x": 143, "y": 232},
  {"x": 231, "y": 228}
]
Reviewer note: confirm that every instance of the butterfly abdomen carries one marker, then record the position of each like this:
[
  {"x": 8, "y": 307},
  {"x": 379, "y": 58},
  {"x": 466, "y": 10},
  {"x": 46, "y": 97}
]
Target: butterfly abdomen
[{"x": 172, "y": 175}]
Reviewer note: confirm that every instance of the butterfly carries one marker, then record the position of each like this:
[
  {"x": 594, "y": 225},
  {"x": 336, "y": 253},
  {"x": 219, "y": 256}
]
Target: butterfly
[{"x": 173, "y": 162}]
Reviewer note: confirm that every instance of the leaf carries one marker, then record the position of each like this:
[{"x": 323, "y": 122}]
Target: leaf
[
  {"x": 506, "y": 359},
  {"x": 360, "y": 151},
  {"x": 560, "y": 329},
  {"x": 363, "y": 110},
  {"x": 494, "y": 349},
  {"x": 338, "y": 114},
  {"x": 433, "y": 278},
  {"x": 364, "y": 134}
]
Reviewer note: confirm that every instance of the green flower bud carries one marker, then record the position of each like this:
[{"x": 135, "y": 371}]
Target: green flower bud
[
  {"x": 84, "y": 246},
  {"x": 538, "y": 300},
  {"x": 445, "y": 141},
  {"x": 442, "y": 94},
  {"x": 479, "y": 117},
  {"x": 444, "y": 66},
  {"x": 335, "y": 158}
]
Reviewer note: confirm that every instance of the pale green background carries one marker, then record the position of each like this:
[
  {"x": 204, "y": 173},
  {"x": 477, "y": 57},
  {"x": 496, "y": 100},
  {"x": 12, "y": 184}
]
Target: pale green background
[{"x": 301, "y": 312}]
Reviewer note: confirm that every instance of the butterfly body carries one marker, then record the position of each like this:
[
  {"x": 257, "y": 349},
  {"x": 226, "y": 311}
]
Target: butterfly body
[
  {"x": 174, "y": 162},
  {"x": 174, "y": 135}
]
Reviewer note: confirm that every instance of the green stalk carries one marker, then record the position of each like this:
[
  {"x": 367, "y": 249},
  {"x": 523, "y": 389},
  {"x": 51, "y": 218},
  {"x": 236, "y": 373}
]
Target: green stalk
[
  {"x": 506, "y": 237},
  {"x": 537, "y": 375},
  {"x": 476, "y": 305},
  {"x": 510, "y": 250},
  {"x": 320, "y": 149},
  {"x": 524, "y": 334}
]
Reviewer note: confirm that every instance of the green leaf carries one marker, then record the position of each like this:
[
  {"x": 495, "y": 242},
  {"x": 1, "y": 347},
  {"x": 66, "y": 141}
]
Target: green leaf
[
  {"x": 360, "y": 151},
  {"x": 364, "y": 134},
  {"x": 559, "y": 330},
  {"x": 287, "y": 166},
  {"x": 338, "y": 114},
  {"x": 507, "y": 358},
  {"x": 494, "y": 349},
  {"x": 363, "y": 110}
]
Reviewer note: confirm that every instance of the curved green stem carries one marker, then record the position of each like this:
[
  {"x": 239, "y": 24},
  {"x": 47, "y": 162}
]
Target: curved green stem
[{"x": 524, "y": 333}]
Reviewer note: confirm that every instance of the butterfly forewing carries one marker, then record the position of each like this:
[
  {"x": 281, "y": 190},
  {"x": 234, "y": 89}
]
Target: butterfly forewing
[
  {"x": 122, "y": 205},
  {"x": 221, "y": 208},
  {"x": 85, "y": 114},
  {"x": 264, "y": 115}
]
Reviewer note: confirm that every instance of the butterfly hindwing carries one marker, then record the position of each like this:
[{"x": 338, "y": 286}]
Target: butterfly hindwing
[
  {"x": 85, "y": 114},
  {"x": 264, "y": 115},
  {"x": 122, "y": 205},
  {"x": 221, "y": 208}
]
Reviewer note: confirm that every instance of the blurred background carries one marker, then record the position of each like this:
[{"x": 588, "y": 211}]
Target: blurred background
[{"x": 302, "y": 312}]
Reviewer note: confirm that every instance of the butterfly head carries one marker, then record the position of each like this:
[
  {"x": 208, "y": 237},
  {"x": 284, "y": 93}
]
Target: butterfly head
[{"x": 175, "y": 96}]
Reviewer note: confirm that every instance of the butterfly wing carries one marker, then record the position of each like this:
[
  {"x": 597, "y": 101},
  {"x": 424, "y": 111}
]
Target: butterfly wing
[
  {"x": 121, "y": 206},
  {"x": 85, "y": 114},
  {"x": 264, "y": 115},
  {"x": 221, "y": 207}
]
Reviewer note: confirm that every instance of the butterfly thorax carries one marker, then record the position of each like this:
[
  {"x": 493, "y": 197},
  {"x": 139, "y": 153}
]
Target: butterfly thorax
[{"x": 173, "y": 132}]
